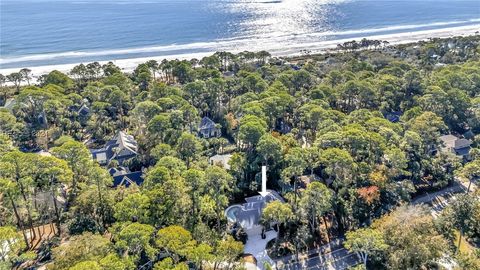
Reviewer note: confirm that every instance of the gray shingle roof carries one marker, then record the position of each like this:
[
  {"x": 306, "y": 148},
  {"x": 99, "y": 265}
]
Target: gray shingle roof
[
  {"x": 463, "y": 151},
  {"x": 462, "y": 143},
  {"x": 128, "y": 179},
  {"x": 206, "y": 123},
  {"x": 127, "y": 141},
  {"x": 250, "y": 213},
  {"x": 84, "y": 110},
  {"x": 451, "y": 141},
  {"x": 120, "y": 148}
]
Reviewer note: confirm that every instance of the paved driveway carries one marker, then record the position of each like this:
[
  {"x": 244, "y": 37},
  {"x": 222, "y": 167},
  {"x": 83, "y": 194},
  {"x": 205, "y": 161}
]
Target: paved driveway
[{"x": 257, "y": 246}]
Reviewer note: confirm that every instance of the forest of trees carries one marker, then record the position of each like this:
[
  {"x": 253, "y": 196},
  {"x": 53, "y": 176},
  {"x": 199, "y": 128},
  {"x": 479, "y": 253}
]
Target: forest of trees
[{"x": 322, "y": 117}]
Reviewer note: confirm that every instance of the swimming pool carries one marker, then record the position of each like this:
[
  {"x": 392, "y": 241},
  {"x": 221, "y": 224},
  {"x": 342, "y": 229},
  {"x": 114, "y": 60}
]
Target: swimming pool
[{"x": 232, "y": 211}]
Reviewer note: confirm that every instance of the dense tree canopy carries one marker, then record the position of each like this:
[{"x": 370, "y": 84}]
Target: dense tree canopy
[{"x": 349, "y": 137}]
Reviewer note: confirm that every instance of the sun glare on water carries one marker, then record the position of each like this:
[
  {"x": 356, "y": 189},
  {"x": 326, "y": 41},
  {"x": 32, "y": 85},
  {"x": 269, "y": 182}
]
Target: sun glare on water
[
  {"x": 275, "y": 24},
  {"x": 270, "y": 18}
]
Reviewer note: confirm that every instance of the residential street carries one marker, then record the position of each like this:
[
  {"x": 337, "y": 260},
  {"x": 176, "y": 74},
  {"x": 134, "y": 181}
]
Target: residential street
[
  {"x": 340, "y": 258},
  {"x": 334, "y": 257},
  {"x": 440, "y": 199},
  {"x": 253, "y": 135}
]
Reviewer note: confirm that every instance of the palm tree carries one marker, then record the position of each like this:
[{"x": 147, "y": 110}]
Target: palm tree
[
  {"x": 153, "y": 65},
  {"x": 166, "y": 67}
]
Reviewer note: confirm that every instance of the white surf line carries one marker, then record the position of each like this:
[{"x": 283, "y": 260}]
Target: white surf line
[
  {"x": 275, "y": 47},
  {"x": 229, "y": 42}
]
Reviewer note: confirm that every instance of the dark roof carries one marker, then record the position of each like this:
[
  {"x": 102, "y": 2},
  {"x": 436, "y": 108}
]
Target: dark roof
[
  {"x": 393, "y": 117},
  {"x": 118, "y": 171},
  {"x": 462, "y": 143},
  {"x": 107, "y": 150},
  {"x": 462, "y": 151},
  {"x": 459, "y": 146},
  {"x": 206, "y": 123},
  {"x": 128, "y": 179},
  {"x": 84, "y": 110},
  {"x": 113, "y": 171},
  {"x": 469, "y": 135},
  {"x": 249, "y": 214}
]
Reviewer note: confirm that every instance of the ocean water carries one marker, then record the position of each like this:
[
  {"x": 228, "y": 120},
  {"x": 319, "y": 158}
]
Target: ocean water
[{"x": 52, "y": 32}]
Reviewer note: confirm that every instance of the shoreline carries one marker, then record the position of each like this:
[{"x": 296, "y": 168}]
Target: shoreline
[{"x": 314, "y": 47}]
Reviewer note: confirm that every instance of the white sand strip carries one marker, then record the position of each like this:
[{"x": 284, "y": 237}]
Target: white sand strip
[{"x": 276, "y": 48}]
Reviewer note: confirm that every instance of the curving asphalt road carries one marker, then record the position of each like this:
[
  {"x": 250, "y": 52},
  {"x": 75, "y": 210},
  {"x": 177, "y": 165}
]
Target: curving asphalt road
[{"x": 340, "y": 258}]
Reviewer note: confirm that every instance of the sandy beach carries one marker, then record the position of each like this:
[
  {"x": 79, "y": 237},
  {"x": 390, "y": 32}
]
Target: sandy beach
[{"x": 129, "y": 64}]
